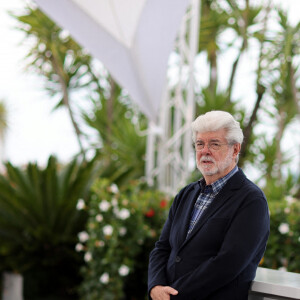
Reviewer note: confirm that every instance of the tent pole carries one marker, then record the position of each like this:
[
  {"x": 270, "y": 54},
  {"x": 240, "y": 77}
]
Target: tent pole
[{"x": 169, "y": 155}]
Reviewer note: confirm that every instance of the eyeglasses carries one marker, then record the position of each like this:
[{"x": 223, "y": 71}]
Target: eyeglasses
[{"x": 211, "y": 145}]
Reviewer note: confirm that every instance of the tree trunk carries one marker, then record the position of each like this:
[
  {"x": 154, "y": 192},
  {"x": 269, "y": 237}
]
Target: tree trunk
[
  {"x": 110, "y": 108},
  {"x": 213, "y": 72},
  {"x": 66, "y": 102},
  {"x": 279, "y": 135},
  {"x": 234, "y": 69},
  {"x": 249, "y": 128},
  {"x": 295, "y": 97}
]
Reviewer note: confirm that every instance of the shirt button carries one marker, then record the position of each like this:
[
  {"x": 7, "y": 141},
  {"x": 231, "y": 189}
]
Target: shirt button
[{"x": 177, "y": 259}]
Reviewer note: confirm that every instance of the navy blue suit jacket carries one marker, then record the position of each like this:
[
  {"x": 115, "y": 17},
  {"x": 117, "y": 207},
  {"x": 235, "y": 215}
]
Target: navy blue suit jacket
[{"x": 218, "y": 260}]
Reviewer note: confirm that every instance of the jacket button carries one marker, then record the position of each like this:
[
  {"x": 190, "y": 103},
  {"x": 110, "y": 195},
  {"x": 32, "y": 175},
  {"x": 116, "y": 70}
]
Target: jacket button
[{"x": 177, "y": 259}]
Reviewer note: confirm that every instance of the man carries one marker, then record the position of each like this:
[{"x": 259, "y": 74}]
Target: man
[{"x": 217, "y": 228}]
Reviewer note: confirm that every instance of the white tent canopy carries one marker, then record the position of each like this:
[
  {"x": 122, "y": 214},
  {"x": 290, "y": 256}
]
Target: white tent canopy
[{"x": 132, "y": 38}]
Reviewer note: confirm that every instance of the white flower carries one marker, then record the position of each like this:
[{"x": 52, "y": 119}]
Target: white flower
[
  {"x": 79, "y": 247},
  {"x": 123, "y": 270},
  {"x": 122, "y": 231},
  {"x": 88, "y": 256},
  {"x": 104, "y": 205},
  {"x": 124, "y": 214},
  {"x": 284, "y": 228},
  {"x": 282, "y": 269},
  {"x": 99, "y": 218},
  {"x": 114, "y": 188},
  {"x": 83, "y": 236},
  {"x": 290, "y": 200},
  {"x": 299, "y": 239},
  {"x": 80, "y": 204},
  {"x": 108, "y": 230},
  {"x": 104, "y": 278}
]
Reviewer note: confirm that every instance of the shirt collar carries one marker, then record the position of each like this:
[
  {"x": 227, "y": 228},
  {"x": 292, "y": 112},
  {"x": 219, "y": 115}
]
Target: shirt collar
[{"x": 216, "y": 186}]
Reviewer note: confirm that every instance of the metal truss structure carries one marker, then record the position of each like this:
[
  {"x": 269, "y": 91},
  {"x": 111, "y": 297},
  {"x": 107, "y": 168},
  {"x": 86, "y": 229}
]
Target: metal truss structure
[{"x": 169, "y": 143}]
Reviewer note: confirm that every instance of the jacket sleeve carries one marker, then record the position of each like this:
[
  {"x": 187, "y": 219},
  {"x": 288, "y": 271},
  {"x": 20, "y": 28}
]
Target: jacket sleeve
[
  {"x": 160, "y": 254},
  {"x": 244, "y": 244}
]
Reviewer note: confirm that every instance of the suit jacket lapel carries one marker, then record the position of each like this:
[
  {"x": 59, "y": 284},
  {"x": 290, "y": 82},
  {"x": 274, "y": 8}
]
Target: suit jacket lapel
[
  {"x": 214, "y": 206},
  {"x": 220, "y": 199},
  {"x": 186, "y": 214}
]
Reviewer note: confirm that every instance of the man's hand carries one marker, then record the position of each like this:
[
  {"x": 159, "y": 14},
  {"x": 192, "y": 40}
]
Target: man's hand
[{"x": 160, "y": 292}]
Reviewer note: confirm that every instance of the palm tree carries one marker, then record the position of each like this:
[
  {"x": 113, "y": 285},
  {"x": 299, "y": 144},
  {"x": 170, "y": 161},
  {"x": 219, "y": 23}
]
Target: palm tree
[
  {"x": 123, "y": 147},
  {"x": 66, "y": 68},
  {"x": 64, "y": 65},
  {"x": 282, "y": 58},
  {"x": 216, "y": 20},
  {"x": 213, "y": 23}
]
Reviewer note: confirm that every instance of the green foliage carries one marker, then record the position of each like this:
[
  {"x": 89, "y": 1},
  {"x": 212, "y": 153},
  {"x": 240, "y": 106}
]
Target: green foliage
[
  {"x": 39, "y": 223},
  {"x": 54, "y": 54},
  {"x": 63, "y": 64},
  {"x": 66, "y": 67},
  {"x": 121, "y": 230},
  {"x": 38, "y": 219},
  {"x": 284, "y": 241},
  {"x": 212, "y": 100},
  {"x": 213, "y": 22},
  {"x": 123, "y": 148}
]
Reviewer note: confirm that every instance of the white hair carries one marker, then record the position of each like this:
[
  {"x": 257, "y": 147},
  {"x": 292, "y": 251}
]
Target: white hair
[{"x": 216, "y": 120}]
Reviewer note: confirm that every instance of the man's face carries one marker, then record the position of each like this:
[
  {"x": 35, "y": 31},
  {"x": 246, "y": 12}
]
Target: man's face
[{"x": 214, "y": 156}]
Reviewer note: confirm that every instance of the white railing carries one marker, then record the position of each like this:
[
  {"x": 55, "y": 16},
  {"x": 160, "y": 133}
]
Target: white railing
[{"x": 275, "y": 285}]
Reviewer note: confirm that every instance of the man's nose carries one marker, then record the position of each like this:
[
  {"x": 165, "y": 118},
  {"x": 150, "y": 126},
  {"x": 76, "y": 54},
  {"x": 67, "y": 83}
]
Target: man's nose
[{"x": 206, "y": 149}]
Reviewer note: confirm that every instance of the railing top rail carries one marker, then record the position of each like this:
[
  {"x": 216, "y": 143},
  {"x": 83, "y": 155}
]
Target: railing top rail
[{"x": 277, "y": 283}]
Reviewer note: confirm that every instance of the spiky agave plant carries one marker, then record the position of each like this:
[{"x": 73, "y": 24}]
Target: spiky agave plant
[{"x": 39, "y": 222}]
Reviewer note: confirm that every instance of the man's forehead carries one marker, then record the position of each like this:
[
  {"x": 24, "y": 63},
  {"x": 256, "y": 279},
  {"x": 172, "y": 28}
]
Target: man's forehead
[
  {"x": 217, "y": 135},
  {"x": 210, "y": 139}
]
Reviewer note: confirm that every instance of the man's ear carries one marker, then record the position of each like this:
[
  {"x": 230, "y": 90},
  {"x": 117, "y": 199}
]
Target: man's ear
[{"x": 236, "y": 149}]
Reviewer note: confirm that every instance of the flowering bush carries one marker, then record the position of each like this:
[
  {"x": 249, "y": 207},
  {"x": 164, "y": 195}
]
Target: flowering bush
[
  {"x": 124, "y": 224},
  {"x": 283, "y": 246},
  {"x": 122, "y": 228}
]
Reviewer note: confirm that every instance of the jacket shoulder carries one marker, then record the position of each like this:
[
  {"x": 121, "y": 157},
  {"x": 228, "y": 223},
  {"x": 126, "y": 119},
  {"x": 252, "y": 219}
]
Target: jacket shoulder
[
  {"x": 188, "y": 188},
  {"x": 245, "y": 186},
  {"x": 186, "y": 192}
]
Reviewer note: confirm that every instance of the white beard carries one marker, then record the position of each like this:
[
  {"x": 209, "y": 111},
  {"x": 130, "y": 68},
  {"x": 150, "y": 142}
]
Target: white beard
[{"x": 214, "y": 168}]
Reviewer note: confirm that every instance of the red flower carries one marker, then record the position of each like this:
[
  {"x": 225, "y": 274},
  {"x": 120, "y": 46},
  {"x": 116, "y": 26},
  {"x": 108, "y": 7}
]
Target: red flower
[
  {"x": 163, "y": 203},
  {"x": 150, "y": 213}
]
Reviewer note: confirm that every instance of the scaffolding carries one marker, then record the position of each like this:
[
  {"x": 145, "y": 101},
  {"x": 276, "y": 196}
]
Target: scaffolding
[{"x": 170, "y": 156}]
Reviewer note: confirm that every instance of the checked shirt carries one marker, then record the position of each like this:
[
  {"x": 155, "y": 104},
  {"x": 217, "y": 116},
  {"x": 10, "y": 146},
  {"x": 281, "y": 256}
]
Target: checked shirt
[{"x": 207, "y": 195}]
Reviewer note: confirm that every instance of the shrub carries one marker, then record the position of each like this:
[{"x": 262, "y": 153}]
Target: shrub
[
  {"x": 283, "y": 246},
  {"x": 39, "y": 223},
  {"x": 122, "y": 228}
]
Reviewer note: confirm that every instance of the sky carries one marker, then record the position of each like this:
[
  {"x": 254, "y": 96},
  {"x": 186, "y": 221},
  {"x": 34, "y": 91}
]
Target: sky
[{"x": 34, "y": 132}]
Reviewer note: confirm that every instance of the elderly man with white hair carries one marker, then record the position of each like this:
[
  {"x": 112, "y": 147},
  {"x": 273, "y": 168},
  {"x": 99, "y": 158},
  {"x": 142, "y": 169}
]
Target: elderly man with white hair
[{"x": 217, "y": 229}]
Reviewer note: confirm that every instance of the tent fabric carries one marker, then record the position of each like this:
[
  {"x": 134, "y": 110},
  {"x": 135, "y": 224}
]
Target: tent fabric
[
  {"x": 132, "y": 38},
  {"x": 119, "y": 18}
]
